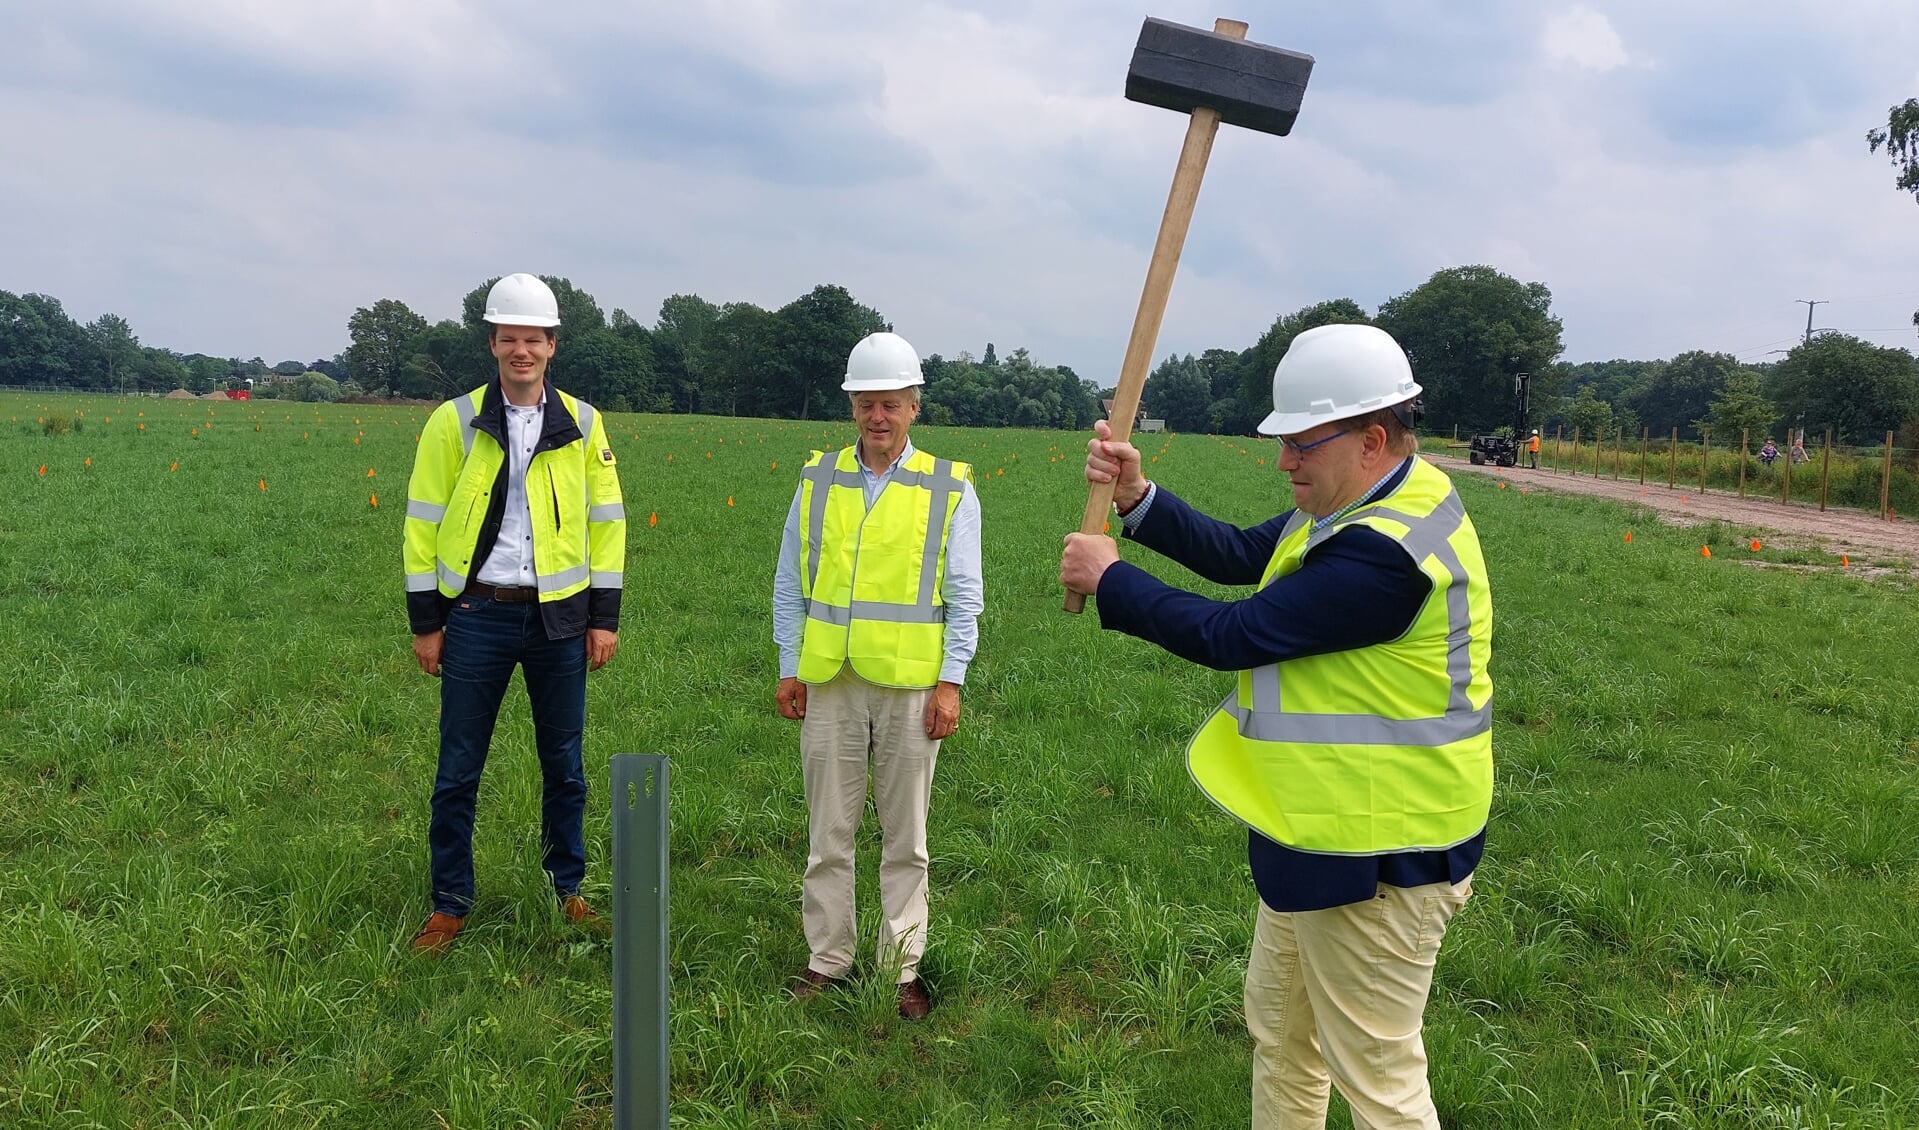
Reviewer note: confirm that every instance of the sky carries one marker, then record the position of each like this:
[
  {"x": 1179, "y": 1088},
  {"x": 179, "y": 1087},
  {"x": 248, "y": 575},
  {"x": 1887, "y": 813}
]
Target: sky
[{"x": 236, "y": 177}]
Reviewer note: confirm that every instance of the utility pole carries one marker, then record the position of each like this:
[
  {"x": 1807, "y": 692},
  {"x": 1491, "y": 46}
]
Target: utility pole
[{"x": 1810, "y": 303}]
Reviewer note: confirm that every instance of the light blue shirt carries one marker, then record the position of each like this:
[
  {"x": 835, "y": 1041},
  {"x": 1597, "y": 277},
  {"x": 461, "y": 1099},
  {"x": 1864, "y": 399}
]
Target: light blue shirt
[{"x": 963, "y": 589}]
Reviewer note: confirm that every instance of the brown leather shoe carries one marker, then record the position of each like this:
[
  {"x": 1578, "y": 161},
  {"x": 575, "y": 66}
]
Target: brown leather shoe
[
  {"x": 577, "y": 912},
  {"x": 437, "y": 934},
  {"x": 914, "y": 1001},
  {"x": 810, "y": 984}
]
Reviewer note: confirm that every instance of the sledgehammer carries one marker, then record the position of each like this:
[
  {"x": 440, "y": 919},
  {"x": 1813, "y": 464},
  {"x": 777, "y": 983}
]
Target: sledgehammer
[{"x": 1216, "y": 76}]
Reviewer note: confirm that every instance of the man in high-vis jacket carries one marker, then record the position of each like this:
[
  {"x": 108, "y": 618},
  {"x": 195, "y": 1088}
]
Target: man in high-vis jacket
[
  {"x": 515, "y": 548},
  {"x": 1357, "y": 745},
  {"x": 876, "y": 604}
]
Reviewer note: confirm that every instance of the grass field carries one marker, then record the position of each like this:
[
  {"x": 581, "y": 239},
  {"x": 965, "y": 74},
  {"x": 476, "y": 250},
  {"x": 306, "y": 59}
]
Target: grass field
[{"x": 1698, "y": 906}]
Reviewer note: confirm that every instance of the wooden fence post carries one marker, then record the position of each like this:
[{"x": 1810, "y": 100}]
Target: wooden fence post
[
  {"x": 1559, "y": 437},
  {"x": 1885, "y": 479},
  {"x": 1672, "y": 460},
  {"x": 1618, "y": 442},
  {"x": 1575, "y": 449},
  {"x": 1825, "y": 469}
]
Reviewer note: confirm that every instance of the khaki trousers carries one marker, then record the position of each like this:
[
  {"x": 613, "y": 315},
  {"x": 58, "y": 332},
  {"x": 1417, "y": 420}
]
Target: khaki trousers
[
  {"x": 1339, "y": 995},
  {"x": 849, "y": 723}
]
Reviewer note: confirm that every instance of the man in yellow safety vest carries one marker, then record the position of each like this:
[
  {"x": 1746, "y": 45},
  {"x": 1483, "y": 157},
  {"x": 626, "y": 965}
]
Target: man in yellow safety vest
[
  {"x": 1357, "y": 745},
  {"x": 876, "y": 604},
  {"x": 515, "y": 551}
]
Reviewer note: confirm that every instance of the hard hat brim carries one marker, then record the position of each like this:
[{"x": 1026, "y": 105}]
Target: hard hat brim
[
  {"x": 522, "y": 320},
  {"x": 880, "y": 386},
  {"x": 1279, "y": 423}
]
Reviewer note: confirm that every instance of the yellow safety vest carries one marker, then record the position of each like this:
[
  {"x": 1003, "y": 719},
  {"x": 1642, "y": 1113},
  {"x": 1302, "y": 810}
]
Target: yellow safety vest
[
  {"x": 573, "y": 499},
  {"x": 872, "y": 578},
  {"x": 1376, "y": 749}
]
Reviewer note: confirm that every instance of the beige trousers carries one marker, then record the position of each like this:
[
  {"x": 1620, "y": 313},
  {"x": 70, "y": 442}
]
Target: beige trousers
[
  {"x": 850, "y": 723},
  {"x": 1339, "y": 995}
]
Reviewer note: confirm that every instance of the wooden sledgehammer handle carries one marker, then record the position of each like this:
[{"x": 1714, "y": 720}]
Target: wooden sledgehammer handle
[{"x": 1152, "y": 300}]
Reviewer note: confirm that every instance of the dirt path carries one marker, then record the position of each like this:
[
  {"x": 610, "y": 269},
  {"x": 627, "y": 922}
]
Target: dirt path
[{"x": 1836, "y": 530}]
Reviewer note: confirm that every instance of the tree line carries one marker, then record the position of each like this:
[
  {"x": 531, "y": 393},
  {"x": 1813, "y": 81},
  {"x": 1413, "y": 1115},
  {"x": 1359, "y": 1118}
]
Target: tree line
[{"x": 1470, "y": 331}]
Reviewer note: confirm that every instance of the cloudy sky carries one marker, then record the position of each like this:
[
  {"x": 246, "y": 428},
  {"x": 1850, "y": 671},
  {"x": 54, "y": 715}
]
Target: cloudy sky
[{"x": 236, "y": 176}]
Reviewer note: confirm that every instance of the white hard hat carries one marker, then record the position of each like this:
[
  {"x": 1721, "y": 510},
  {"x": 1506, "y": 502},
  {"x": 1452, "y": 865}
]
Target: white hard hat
[
  {"x": 1335, "y": 373},
  {"x": 1535, "y": 431},
  {"x": 882, "y": 362},
  {"x": 522, "y": 300}
]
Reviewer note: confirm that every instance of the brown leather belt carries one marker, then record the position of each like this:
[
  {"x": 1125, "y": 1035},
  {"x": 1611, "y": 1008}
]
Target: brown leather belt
[{"x": 509, "y": 594}]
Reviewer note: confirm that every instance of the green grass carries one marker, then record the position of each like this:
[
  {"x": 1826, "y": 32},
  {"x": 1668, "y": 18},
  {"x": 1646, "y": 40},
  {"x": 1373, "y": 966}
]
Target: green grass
[{"x": 1697, "y": 907}]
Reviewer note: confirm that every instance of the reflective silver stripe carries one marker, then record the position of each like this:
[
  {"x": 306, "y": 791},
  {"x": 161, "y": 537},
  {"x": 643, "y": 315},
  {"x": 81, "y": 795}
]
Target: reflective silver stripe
[
  {"x": 608, "y": 581},
  {"x": 450, "y": 580},
  {"x": 828, "y": 613},
  {"x": 939, "y": 479},
  {"x": 586, "y": 423},
  {"x": 942, "y": 484},
  {"x": 1266, "y": 689},
  {"x": 425, "y": 511},
  {"x": 421, "y": 582},
  {"x": 824, "y": 477},
  {"x": 606, "y": 512},
  {"x": 464, "y": 408},
  {"x": 566, "y": 578},
  {"x": 1429, "y": 536},
  {"x": 1362, "y": 729},
  {"x": 875, "y": 611}
]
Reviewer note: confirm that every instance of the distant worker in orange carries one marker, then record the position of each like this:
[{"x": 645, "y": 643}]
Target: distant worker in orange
[{"x": 1532, "y": 450}]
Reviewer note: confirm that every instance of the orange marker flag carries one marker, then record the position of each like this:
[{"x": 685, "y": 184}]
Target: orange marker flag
[
  {"x": 1844, "y": 561},
  {"x": 89, "y": 460},
  {"x": 356, "y": 441},
  {"x": 653, "y": 519},
  {"x": 143, "y": 427},
  {"x": 256, "y": 427},
  {"x": 1705, "y": 551},
  {"x": 729, "y": 500},
  {"x": 263, "y": 484},
  {"x": 373, "y": 500},
  {"x": 1755, "y": 545},
  {"x": 1628, "y": 537},
  {"x": 776, "y": 466},
  {"x": 669, "y": 458},
  {"x": 1682, "y": 498},
  {"x": 709, "y": 455},
  {"x": 1106, "y": 528},
  {"x": 369, "y": 472},
  {"x": 43, "y": 470},
  {"x": 1502, "y": 486}
]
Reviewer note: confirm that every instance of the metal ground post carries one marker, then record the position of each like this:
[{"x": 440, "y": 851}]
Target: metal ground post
[{"x": 639, "y": 941}]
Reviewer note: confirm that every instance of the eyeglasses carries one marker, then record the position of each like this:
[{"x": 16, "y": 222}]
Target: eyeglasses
[{"x": 1300, "y": 449}]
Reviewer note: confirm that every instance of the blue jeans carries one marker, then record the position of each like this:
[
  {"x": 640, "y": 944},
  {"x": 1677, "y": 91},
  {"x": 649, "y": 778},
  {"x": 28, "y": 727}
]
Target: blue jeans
[{"x": 485, "y": 639}]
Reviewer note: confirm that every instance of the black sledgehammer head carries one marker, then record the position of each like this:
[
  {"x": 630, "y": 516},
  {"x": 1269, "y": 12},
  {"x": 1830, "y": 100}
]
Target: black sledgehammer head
[{"x": 1183, "y": 68}]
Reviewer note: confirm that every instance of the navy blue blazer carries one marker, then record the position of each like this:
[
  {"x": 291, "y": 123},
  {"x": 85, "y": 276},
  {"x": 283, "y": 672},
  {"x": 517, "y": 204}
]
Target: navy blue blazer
[{"x": 1356, "y": 589}]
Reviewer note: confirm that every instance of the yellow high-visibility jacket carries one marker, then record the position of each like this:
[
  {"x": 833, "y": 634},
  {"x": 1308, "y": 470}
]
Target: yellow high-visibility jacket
[
  {"x": 457, "y": 496},
  {"x": 1376, "y": 749},
  {"x": 872, "y": 578}
]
